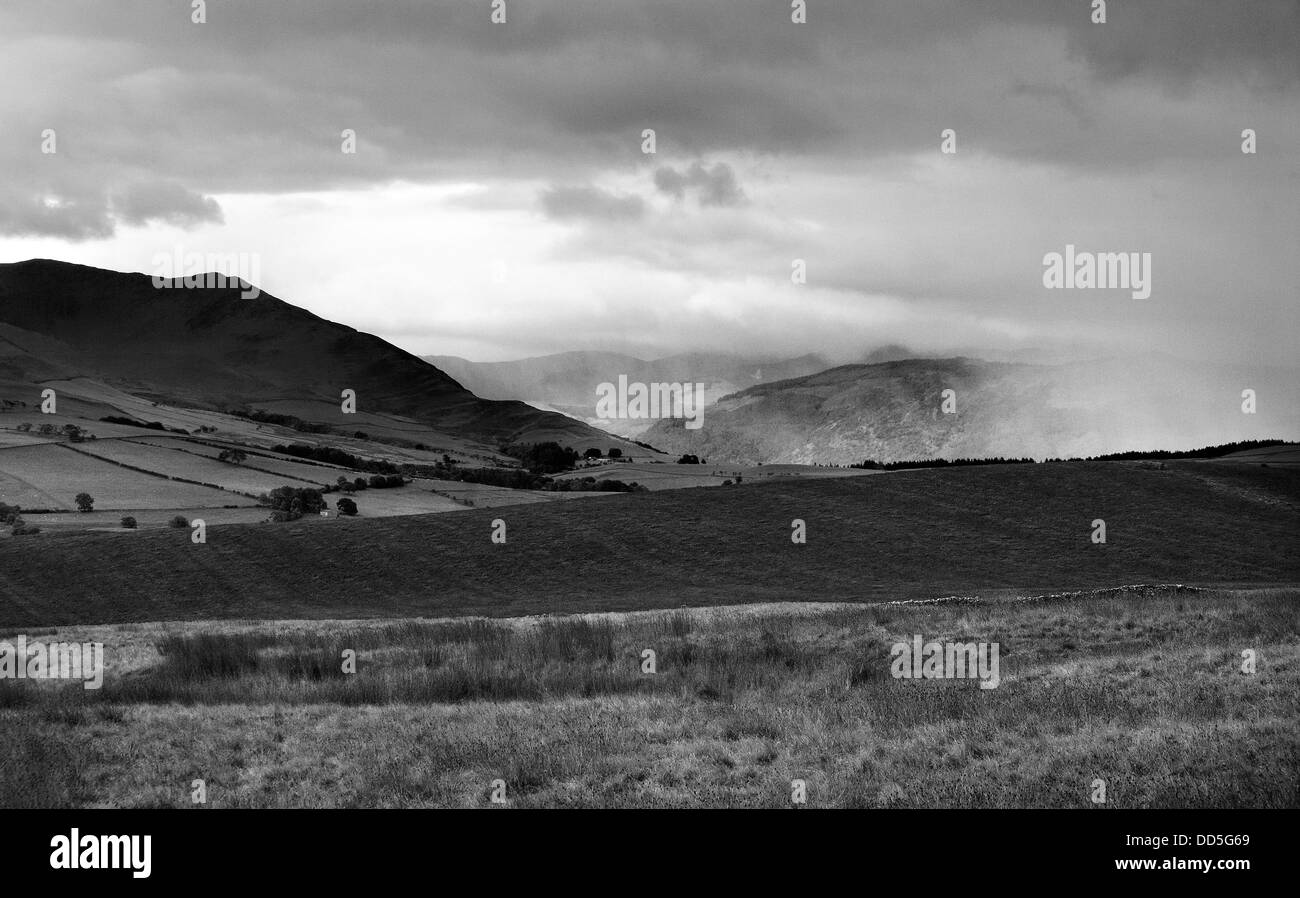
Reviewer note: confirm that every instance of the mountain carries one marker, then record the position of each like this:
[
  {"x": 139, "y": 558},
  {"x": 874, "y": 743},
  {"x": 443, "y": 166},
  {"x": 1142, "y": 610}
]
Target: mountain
[
  {"x": 567, "y": 381},
  {"x": 209, "y": 347},
  {"x": 893, "y": 411},
  {"x": 890, "y": 352}
]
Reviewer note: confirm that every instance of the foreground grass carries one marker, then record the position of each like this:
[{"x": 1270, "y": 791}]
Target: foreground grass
[{"x": 1143, "y": 691}]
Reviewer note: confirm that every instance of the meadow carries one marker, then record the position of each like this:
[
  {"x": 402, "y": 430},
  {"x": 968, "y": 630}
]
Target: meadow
[
  {"x": 477, "y": 666},
  {"x": 285, "y": 469},
  {"x": 50, "y": 476},
  {"x": 244, "y": 479},
  {"x": 668, "y": 475},
  {"x": 905, "y": 534},
  {"x": 1140, "y": 688}
]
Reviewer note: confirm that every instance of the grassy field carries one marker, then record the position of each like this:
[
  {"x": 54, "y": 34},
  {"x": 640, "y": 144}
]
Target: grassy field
[
  {"x": 907, "y": 534},
  {"x": 482, "y": 495},
  {"x": 383, "y": 427},
  {"x": 224, "y": 660},
  {"x": 146, "y": 518},
  {"x": 285, "y": 469},
  {"x": 652, "y": 476},
  {"x": 119, "y": 402},
  {"x": 672, "y": 476},
  {"x": 1142, "y": 689},
  {"x": 51, "y": 475},
  {"x": 412, "y": 499},
  {"x": 172, "y": 462}
]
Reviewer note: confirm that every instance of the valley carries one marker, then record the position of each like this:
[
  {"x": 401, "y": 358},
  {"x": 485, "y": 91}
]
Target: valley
[{"x": 498, "y": 629}]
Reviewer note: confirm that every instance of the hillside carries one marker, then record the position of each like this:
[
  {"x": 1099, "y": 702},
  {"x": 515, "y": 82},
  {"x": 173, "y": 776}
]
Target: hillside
[
  {"x": 209, "y": 347},
  {"x": 909, "y": 534},
  {"x": 892, "y": 411}
]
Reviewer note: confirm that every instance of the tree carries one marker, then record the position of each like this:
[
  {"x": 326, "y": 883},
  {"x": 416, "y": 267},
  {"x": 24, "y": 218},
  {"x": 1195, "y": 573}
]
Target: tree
[
  {"x": 346, "y": 506},
  {"x": 178, "y": 522},
  {"x": 85, "y": 502},
  {"x": 591, "y": 453},
  {"x": 234, "y": 456},
  {"x": 689, "y": 460},
  {"x": 544, "y": 458},
  {"x": 128, "y": 522},
  {"x": 616, "y": 453},
  {"x": 290, "y": 503},
  {"x": 25, "y": 426}
]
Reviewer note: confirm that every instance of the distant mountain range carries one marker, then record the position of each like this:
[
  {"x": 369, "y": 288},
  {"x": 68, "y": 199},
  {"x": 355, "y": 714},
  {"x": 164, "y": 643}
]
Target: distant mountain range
[
  {"x": 566, "y": 382},
  {"x": 209, "y": 347},
  {"x": 894, "y": 411}
]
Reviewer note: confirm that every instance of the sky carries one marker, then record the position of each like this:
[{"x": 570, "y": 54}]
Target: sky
[{"x": 500, "y": 202}]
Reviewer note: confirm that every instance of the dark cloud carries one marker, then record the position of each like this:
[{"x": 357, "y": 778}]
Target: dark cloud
[
  {"x": 255, "y": 99},
  {"x": 167, "y": 202},
  {"x": 69, "y": 208},
  {"x": 1122, "y": 135},
  {"x": 591, "y": 203},
  {"x": 714, "y": 186},
  {"x": 1179, "y": 42},
  {"x": 24, "y": 214}
]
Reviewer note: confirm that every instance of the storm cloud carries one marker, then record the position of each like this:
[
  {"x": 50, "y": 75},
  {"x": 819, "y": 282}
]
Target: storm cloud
[
  {"x": 775, "y": 141},
  {"x": 714, "y": 186},
  {"x": 590, "y": 203}
]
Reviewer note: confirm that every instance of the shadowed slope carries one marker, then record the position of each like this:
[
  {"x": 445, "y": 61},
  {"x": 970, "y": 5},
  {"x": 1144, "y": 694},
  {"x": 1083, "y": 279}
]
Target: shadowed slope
[
  {"x": 882, "y": 537},
  {"x": 210, "y": 346}
]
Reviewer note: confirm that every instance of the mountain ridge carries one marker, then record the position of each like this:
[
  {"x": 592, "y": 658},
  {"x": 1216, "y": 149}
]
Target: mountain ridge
[
  {"x": 210, "y": 346},
  {"x": 895, "y": 411},
  {"x": 568, "y": 381}
]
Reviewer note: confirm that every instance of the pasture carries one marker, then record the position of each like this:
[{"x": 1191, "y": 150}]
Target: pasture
[
  {"x": 907, "y": 534},
  {"x": 51, "y": 475},
  {"x": 247, "y": 479},
  {"x": 284, "y": 467},
  {"x": 1144, "y": 690}
]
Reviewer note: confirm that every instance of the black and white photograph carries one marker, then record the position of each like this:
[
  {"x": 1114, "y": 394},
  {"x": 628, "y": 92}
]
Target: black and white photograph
[{"x": 884, "y": 406}]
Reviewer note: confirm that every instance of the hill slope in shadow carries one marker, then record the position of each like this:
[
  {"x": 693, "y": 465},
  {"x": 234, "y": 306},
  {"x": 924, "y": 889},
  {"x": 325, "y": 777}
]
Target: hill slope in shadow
[
  {"x": 210, "y": 347},
  {"x": 907, "y": 534}
]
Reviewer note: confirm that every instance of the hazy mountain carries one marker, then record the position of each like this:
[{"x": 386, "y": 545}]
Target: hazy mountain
[
  {"x": 567, "y": 381},
  {"x": 892, "y": 411},
  {"x": 211, "y": 347},
  {"x": 891, "y": 352}
]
